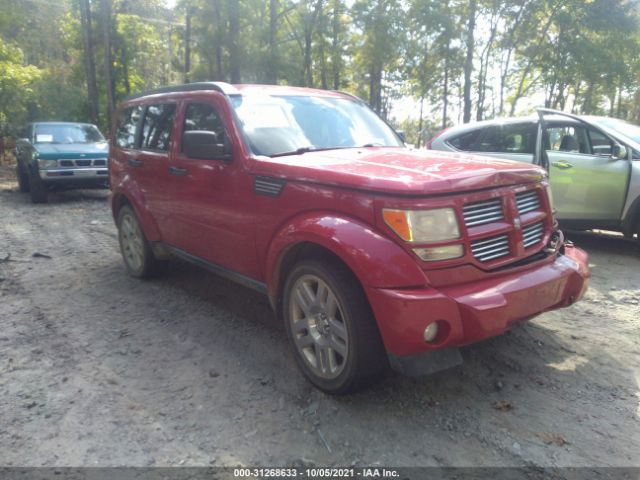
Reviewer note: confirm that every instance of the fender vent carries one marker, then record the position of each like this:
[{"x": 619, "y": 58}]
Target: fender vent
[{"x": 271, "y": 187}]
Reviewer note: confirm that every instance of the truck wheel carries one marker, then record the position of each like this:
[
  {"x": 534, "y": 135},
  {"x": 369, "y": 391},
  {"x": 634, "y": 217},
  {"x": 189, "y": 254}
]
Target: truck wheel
[
  {"x": 134, "y": 246},
  {"x": 331, "y": 328},
  {"x": 23, "y": 179},
  {"x": 37, "y": 188}
]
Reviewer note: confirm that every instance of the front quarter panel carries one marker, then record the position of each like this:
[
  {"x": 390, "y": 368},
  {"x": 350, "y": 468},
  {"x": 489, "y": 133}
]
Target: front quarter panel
[{"x": 374, "y": 259}]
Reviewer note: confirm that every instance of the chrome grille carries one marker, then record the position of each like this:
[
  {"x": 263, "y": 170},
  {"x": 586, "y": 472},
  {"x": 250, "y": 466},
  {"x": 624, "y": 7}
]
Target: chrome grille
[
  {"x": 532, "y": 234},
  {"x": 483, "y": 212},
  {"x": 490, "y": 248},
  {"x": 527, "y": 201},
  {"x": 84, "y": 162}
]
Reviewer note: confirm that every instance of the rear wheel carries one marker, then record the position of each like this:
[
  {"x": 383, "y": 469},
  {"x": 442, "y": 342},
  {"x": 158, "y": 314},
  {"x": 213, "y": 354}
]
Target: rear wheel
[
  {"x": 134, "y": 246},
  {"x": 23, "y": 179},
  {"x": 37, "y": 188},
  {"x": 331, "y": 327}
]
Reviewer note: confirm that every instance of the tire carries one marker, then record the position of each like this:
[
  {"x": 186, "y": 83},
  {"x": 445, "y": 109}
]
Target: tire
[
  {"x": 37, "y": 189},
  {"x": 331, "y": 327},
  {"x": 134, "y": 246},
  {"x": 23, "y": 179}
]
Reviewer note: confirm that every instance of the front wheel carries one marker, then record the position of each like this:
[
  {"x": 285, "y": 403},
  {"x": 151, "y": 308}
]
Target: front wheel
[
  {"x": 134, "y": 246},
  {"x": 331, "y": 328},
  {"x": 37, "y": 188},
  {"x": 23, "y": 179}
]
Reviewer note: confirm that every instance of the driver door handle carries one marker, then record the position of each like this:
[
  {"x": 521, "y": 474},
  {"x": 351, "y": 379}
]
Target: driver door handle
[
  {"x": 134, "y": 162},
  {"x": 181, "y": 172},
  {"x": 562, "y": 165}
]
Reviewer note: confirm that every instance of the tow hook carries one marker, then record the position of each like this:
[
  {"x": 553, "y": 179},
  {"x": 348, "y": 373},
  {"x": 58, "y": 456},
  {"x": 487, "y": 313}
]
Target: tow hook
[{"x": 556, "y": 243}]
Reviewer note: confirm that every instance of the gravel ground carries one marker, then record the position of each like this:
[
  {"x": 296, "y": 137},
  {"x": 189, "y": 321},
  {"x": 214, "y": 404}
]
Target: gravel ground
[{"x": 99, "y": 369}]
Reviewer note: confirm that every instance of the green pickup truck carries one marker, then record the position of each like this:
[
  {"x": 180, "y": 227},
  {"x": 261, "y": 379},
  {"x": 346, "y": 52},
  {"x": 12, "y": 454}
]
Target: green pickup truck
[{"x": 60, "y": 155}]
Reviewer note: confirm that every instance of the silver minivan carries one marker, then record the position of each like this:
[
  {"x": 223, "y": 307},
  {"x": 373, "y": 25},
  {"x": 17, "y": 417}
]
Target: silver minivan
[{"x": 593, "y": 162}]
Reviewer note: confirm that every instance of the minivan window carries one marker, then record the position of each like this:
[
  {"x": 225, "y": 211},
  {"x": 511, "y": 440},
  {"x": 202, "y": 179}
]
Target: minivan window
[
  {"x": 465, "y": 140},
  {"x": 157, "y": 125},
  {"x": 600, "y": 144},
  {"x": 572, "y": 139},
  {"x": 512, "y": 138},
  {"x": 125, "y": 135}
]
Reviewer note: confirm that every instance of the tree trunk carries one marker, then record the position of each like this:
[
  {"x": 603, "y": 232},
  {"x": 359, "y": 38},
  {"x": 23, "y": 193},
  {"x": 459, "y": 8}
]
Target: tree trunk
[
  {"x": 108, "y": 60},
  {"x": 218, "y": 15},
  {"x": 336, "y": 59},
  {"x": 308, "y": 74},
  {"x": 468, "y": 63},
  {"x": 504, "y": 65},
  {"x": 445, "y": 86},
  {"x": 187, "y": 46},
  {"x": 234, "y": 35},
  {"x": 272, "y": 70},
  {"x": 89, "y": 62},
  {"x": 420, "y": 122}
]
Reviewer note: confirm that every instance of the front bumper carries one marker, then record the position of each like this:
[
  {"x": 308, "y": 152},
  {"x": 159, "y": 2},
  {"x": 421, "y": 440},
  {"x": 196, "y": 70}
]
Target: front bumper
[
  {"x": 75, "y": 177},
  {"x": 474, "y": 311}
]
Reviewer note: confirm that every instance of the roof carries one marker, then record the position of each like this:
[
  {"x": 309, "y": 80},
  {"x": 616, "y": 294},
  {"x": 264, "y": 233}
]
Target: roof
[{"x": 244, "y": 89}]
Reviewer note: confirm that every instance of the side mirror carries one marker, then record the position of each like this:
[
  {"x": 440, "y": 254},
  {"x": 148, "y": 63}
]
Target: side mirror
[
  {"x": 618, "y": 152},
  {"x": 204, "y": 145},
  {"x": 402, "y": 135}
]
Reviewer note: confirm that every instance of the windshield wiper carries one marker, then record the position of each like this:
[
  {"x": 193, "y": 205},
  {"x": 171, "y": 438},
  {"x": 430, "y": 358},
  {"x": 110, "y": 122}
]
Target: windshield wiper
[{"x": 302, "y": 150}]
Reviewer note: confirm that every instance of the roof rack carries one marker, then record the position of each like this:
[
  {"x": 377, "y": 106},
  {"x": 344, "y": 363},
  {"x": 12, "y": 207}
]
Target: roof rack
[{"x": 222, "y": 87}]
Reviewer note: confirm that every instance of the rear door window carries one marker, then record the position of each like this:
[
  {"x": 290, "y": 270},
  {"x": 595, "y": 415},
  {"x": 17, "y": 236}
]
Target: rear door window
[
  {"x": 126, "y": 128},
  {"x": 157, "y": 126}
]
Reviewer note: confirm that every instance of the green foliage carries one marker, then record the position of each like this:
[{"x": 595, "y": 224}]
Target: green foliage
[
  {"x": 16, "y": 87},
  {"x": 569, "y": 54}
]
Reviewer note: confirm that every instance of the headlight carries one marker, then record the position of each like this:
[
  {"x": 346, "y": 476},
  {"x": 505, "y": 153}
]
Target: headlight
[
  {"x": 47, "y": 163},
  {"x": 423, "y": 226}
]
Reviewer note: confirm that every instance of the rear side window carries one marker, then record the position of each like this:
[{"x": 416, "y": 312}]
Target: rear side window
[
  {"x": 465, "y": 141},
  {"x": 157, "y": 126},
  {"x": 125, "y": 135},
  {"x": 513, "y": 138}
]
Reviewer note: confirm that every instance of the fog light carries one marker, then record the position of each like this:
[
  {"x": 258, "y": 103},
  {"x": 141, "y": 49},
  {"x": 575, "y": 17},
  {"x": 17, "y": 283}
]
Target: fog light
[
  {"x": 446, "y": 252},
  {"x": 430, "y": 332}
]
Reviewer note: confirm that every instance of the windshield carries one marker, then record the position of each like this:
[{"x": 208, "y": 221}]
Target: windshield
[
  {"x": 627, "y": 129},
  {"x": 67, "y": 133},
  {"x": 276, "y": 125}
]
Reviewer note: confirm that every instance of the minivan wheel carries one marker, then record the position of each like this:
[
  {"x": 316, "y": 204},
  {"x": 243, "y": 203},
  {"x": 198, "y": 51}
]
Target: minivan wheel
[
  {"x": 23, "y": 179},
  {"x": 134, "y": 246},
  {"x": 331, "y": 328}
]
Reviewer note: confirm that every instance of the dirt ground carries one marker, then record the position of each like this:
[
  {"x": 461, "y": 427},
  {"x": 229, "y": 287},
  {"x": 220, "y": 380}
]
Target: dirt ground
[{"x": 99, "y": 369}]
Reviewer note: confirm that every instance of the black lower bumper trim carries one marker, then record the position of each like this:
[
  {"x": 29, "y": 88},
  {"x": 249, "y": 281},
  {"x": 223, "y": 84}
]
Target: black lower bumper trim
[{"x": 426, "y": 363}]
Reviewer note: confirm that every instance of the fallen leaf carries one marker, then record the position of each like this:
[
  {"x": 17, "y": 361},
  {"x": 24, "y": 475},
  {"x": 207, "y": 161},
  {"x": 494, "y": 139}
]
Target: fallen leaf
[
  {"x": 503, "y": 406},
  {"x": 554, "y": 438}
]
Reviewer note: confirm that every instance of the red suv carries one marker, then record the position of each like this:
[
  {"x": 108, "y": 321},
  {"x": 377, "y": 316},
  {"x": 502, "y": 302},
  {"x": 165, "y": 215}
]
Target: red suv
[{"x": 372, "y": 253}]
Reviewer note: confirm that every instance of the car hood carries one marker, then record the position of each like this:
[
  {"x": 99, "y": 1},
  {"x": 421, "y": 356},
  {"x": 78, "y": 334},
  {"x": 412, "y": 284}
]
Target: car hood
[
  {"x": 399, "y": 170},
  {"x": 72, "y": 150}
]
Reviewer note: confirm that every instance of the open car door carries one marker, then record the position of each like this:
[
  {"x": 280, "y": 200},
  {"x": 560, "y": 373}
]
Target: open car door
[{"x": 589, "y": 170}]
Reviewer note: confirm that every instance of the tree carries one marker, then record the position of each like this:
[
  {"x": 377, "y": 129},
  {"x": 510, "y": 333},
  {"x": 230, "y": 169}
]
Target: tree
[{"x": 89, "y": 61}]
